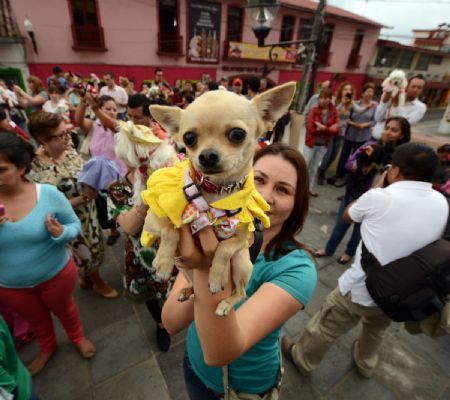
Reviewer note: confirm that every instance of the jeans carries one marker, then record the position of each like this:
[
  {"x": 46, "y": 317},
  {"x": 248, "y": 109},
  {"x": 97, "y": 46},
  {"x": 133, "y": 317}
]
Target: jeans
[
  {"x": 348, "y": 148},
  {"x": 196, "y": 389},
  {"x": 340, "y": 229},
  {"x": 332, "y": 151},
  {"x": 313, "y": 157}
]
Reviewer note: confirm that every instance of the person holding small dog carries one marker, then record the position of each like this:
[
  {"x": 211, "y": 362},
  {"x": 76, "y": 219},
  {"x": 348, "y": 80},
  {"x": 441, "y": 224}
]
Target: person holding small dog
[
  {"x": 282, "y": 283},
  {"x": 323, "y": 123},
  {"x": 413, "y": 110},
  {"x": 395, "y": 221}
]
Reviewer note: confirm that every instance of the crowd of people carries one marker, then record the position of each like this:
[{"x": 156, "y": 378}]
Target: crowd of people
[{"x": 65, "y": 179}]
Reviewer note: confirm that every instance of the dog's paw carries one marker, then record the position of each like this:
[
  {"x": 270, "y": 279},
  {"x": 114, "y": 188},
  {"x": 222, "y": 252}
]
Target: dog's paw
[
  {"x": 223, "y": 308},
  {"x": 218, "y": 278},
  {"x": 164, "y": 267},
  {"x": 185, "y": 293}
]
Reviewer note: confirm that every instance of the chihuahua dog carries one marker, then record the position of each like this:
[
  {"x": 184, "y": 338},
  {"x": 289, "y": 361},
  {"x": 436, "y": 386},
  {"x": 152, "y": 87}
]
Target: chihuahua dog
[{"x": 220, "y": 131}]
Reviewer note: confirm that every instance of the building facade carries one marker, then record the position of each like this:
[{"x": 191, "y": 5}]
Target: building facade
[{"x": 189, "y": 39}]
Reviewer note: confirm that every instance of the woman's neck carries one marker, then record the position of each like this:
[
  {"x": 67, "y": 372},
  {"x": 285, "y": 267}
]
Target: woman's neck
[
  {"x": 268, "y": 235},
  {"x": 365, "y": 102},
  {"x": 16, "y": 190}
]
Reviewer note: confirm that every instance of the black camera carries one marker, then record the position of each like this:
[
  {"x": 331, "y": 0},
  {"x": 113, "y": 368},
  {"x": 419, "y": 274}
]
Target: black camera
[{"x": 348, "y": 95}]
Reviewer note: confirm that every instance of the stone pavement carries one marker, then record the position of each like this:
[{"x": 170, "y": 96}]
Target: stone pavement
[{"x": 128, "y": 365}]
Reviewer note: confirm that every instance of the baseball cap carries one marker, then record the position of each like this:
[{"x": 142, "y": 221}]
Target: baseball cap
[{"x": 237, "y": 81}]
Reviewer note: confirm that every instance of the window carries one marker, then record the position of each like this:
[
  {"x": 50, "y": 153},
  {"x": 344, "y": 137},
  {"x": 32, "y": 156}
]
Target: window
[
  {"x": 287, "y": 28},
  {"x": 327, "y": 38},
  {"x": 423, "y": 61},
  {"x": 405, "y": 59},
  {"x": 234, "y": 24},
  {"x": 387, "y": 57},
  {"x": 86, "y": 30},
  {"x": 169, "y": 41},
  {"x": 354, "y": 59},
  {"x": 437, "y": 60},
  {"x": 304, "y": 32}
]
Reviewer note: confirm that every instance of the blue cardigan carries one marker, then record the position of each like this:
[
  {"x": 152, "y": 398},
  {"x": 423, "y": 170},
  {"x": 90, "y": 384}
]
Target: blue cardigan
[{"x": 29, "y": 255}]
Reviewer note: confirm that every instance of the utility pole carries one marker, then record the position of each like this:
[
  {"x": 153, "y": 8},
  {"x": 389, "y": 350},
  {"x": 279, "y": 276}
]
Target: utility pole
[{"x": 311, "y": 54}]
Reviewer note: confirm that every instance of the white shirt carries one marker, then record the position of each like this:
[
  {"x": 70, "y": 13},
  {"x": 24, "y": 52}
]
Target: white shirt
[
  {"x": 395, "y": 221},
  {"x": 119, "y": 94},
  {"x": 413, "y": 111}
]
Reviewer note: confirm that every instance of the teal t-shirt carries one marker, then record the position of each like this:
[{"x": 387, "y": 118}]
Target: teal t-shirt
[{"x": 257, "y": 370}]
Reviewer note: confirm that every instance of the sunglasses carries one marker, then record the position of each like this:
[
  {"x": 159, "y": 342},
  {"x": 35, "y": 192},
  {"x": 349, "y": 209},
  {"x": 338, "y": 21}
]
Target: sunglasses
[{"x": 62, "y": 135}]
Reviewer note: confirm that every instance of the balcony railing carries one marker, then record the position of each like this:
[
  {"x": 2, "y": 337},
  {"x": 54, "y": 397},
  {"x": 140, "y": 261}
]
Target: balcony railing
[
  {"x": 170, "y": 43},
  {"x": 88, "y": 37},
  {"x": 354, "y": 60},
  {"x": 325, "y": 58}
]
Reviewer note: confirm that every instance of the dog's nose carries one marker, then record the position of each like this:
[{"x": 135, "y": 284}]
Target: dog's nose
[{"x": 209, "y": 158}]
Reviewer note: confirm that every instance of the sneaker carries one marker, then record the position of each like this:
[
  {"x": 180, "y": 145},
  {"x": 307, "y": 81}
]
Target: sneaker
[
  {"x": 340, "y": 182},
  {"x": 320, "y": 178},
  {"x": 331, "y": 180},
  {"x": 162, "y": 338}
]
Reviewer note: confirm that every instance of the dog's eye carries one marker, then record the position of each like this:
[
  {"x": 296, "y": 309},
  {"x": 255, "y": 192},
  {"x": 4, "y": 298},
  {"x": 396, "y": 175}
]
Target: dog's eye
[
  {"x": 190, "y": 139},
  {"x": 236, "y": 135}
]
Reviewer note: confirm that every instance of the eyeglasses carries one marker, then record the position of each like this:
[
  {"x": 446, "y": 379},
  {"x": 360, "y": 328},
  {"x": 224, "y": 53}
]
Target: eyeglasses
[
  {"x": 62, "y": 135},
  {"x": 159, "y": 74}
]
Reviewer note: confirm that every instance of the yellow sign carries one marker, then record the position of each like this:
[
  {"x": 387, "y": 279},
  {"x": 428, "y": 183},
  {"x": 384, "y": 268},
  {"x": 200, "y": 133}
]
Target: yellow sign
[{"x": 250, "y": 51}]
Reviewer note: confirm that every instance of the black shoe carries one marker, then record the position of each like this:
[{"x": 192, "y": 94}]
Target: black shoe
[
  {"x": 162, "y": 338},
  {"x": 331, "y": 180},
  {"x": 340, "y": 182},
  {"x": 112, "y": 239}
]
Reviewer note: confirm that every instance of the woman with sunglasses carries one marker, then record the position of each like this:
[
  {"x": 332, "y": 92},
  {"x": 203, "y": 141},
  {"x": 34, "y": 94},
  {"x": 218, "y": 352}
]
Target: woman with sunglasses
[{"x": 58, "y": 163}]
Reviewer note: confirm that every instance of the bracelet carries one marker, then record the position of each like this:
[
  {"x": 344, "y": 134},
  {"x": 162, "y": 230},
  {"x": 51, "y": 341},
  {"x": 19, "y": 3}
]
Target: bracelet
[{"x": 138, "y": 212}]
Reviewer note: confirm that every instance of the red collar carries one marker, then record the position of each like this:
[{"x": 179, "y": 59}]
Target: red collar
[{"x": 211, "y": 187}]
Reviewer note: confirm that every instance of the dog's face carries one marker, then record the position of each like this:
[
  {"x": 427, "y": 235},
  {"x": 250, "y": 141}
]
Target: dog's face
[
  {"x": 397, "y": 78},
  {"x": 219, "y": 129}
]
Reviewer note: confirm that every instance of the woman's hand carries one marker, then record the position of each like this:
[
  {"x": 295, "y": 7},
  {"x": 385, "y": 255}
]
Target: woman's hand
[
  {"x": 192, "y": 256},
  {"x": 53, "y": 226},
  {"x": 381, "y": 182},
  {"x": 91, "y": 100},
  {"x": 3, "y": 219}
]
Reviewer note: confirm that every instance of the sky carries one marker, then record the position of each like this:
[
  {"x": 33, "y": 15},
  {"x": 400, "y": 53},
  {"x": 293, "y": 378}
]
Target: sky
[{"x": 402, "y": 15}]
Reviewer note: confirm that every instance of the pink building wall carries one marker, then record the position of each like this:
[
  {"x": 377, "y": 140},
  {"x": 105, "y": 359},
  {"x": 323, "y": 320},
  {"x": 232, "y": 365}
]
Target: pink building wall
[{"x": 131, "y": 32}]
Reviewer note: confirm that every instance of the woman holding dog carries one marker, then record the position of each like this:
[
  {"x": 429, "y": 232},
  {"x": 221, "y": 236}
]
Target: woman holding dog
[
  {"x": 283, "y": 280},
  {"x": 57, "y": 163},
  {"x": 362, "y": 166}
]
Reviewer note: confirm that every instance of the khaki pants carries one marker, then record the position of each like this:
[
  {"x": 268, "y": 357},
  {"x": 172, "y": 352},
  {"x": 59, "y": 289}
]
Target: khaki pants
[{"x": 337, "y": 316}]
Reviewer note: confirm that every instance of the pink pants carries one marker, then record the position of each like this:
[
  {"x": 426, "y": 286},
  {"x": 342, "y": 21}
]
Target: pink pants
[{"x": 53, "y": 296}]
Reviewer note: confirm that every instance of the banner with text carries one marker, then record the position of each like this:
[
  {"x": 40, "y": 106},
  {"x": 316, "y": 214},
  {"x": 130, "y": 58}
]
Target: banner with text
[{"x": 250, "y": 51}]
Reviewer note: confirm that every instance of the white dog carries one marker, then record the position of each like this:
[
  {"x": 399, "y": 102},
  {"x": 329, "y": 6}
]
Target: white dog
[
  {"x": 138, "y": 147},
  {"x": 396, "y": 84}
]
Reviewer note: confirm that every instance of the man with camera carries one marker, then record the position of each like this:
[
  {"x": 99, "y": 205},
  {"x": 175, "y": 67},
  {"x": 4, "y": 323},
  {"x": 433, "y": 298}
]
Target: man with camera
[{"x": 395, "y": 221}]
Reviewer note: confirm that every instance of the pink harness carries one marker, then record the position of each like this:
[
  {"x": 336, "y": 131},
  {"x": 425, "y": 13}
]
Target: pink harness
[{"x": 200, "y": 215}]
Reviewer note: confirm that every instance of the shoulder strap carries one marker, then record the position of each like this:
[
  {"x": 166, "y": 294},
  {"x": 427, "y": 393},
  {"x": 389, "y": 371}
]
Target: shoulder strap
[
  {"x": 446, "y": 235},
  {"x": 368, "y": 260},
  {"x": 258, "y": 239}
]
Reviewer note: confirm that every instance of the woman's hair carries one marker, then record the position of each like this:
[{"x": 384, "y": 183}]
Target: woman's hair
[
  {"x": 104, "y": 99},
  {"x": 293, "y": 225},
  {"x": 38, "y": 86},
  {"x": 367, "y": 86},
  {"x": 42, "y": 125},
  {"x": 405, "y": 128},
  {"x": 56, "y": 89},
  {"x": 16, "y": 150},
  {"x": 340, "y": 90}
]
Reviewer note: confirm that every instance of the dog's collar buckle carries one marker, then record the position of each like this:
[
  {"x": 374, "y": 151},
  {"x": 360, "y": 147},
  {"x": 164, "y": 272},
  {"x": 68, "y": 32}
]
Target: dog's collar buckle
[{"x": 211, "y": 187}]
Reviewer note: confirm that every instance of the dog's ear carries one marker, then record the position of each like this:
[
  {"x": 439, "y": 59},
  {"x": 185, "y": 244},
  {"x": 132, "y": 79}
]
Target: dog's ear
[
  {"x": 168, "y": 117},
  {"x": 274, "y": 103}
]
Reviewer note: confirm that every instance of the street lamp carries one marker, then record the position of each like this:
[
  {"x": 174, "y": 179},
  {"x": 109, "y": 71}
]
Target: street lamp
[{"x": 261, "y": 14}]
